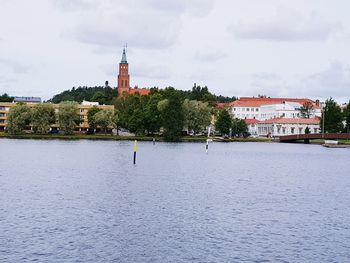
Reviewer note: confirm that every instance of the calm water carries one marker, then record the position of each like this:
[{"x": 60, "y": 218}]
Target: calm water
[{"x": 84, "y": 201}]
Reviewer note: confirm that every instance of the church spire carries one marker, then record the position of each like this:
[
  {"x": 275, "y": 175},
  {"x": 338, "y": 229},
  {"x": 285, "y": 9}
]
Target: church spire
[{"x": 124, "y": 57}]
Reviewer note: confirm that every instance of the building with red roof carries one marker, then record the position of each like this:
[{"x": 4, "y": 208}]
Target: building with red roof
[
  {"x": 123, "y": 80},
  {"x": 276, "y": 127}
]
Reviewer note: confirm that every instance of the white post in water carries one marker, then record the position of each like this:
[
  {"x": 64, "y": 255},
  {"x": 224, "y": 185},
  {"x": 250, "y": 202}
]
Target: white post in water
[{"x": 207, "y": 144}]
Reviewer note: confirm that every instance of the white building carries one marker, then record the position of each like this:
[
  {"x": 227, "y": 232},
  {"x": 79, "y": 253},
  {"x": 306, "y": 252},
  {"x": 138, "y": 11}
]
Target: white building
[
  {"x": 287, "y": 126},
  {"x": 267, "y": 108}
]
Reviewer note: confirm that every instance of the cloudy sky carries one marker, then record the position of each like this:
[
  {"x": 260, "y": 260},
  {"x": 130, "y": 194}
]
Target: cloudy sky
[{"x": 236, "y": 47}]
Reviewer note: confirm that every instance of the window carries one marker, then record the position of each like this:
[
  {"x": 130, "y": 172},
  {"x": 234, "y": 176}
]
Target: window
[
  {"x": 2, "y": 108},
  {"x": 247, "y": 109},
  {"x": 284, "y": 130},
  {"x": 257, "y": 109},
  {"x": 292, "y": 130},
  {"x": 300, "y": 130},
  {"x": 315, "y": 130}
]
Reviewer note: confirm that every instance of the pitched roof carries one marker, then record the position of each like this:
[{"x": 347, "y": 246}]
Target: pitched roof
[
  {"x": 257, "y": 101},
  {"x": 313, "y": 121},
  {"x": 251, "y": 121}
]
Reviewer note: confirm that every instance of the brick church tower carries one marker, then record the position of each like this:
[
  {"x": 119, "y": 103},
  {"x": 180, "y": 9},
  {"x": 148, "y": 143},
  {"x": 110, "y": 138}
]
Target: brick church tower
[{"x": 123, "y": 76}]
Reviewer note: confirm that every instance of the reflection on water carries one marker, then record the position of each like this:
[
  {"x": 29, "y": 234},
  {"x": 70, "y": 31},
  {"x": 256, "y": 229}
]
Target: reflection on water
[{"x": 84, "y": 201}]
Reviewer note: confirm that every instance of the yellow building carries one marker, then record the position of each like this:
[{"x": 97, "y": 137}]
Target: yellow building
[{"x": 83, "y": 111}]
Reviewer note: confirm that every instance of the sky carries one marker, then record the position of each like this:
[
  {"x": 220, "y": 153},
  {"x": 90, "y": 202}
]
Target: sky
[{"x": 277, "y": 48}]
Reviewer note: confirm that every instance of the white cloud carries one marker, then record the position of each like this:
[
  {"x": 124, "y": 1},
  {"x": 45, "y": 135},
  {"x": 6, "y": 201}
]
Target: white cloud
[
  {"x": 210, "y": 56},
  {"x": 286, "y": 25}
]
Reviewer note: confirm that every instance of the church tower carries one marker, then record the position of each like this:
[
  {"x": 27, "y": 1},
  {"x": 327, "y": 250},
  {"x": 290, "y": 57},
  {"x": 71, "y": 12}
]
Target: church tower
[{"x": 123, "y": 76}]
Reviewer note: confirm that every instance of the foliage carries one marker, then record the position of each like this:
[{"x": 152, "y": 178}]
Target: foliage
[
  {"x": 68, "y": 116},
  {"x": 91, "y": 113},
  {"x": 223, "y": 122},
  {"x": 151, "y": 114},
  {"x": 197, "y": 115},
  {"x": 239, "y": 126},
  {"x": 101, "y": 94},
  {"x": 333, "y": 118},
  {"x": 18, "y": 118},
  {"x": 307, "y": 130},
  {"x": 172, "y": 116},
  {"x": 347, "y": 117},
  {"x": 43, "y": 115},
  {"x": 307, "y": 110},
  {"x": 5, "y": 98},
  {"x": 105, "y": 119}
]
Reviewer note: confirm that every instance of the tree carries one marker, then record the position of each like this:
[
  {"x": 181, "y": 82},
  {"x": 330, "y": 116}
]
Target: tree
[
  {"x": 347, "y": 117},
  {"x": 224, "y": 122},
  {"x": 43, "y": 115},
  {"x": 307, "y": 110},
  {"x": 307, "y": 130},
  {"x": 5, "y": 98},
  {"x": 105, "y": 119},
  {"x": 239, "y": 126},
  {"x": 172, "y": 116},
  {"x": 197, "y": 115},
  {"x": 333, "y": 118},
  {"x": 99, "y": 97},
  {"x": 68, "y": 116},
  {"x": 152, "y": 116},
  {"x": 91, "y": 113},
  {"x": 18, "y": 118}
]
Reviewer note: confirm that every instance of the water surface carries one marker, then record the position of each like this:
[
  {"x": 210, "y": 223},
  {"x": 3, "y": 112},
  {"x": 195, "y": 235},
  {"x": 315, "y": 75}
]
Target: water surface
[{"x": 84, "y": 201}]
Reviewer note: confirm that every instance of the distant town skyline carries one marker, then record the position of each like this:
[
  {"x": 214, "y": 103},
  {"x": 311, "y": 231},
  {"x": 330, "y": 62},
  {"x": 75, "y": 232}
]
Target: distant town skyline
[{"x": 236, "y": 48}]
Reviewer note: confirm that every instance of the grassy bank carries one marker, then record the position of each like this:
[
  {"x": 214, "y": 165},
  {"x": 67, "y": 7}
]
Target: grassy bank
[{"x": 118, "y": 138}]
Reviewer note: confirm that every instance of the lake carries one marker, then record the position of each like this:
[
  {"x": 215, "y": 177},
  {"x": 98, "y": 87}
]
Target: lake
[{"x": 84, "y": 201}]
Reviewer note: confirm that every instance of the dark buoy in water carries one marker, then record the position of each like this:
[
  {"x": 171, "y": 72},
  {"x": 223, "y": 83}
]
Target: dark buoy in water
[{"x": 154, "y": 141}]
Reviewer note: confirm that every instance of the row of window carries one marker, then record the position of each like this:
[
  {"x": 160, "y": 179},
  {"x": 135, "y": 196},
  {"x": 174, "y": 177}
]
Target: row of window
[{"x": 246, "y": 109}]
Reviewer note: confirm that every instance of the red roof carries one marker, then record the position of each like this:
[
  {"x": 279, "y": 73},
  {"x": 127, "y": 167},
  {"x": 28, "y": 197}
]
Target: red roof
[
  {"x": 257, "y": 101},
  {"x": 313, "y": 121},
  {"x": 251, "y": 121},
  {"x": 142, "y": 91}
]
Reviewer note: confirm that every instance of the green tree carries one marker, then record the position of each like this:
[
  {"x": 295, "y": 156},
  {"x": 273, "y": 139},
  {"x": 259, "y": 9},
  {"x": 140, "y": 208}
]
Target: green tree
[
  {"x": 91, "y": 113},
  {"x": 105, "y": 119},
  {"x": 18, "y": 119},
  {"x": 172, "y": 116},
  {"x": 307, "y": 110},
  {"x": 43, "y": 115},
  {"x": 99, "y": 97},
  {"x": 307, "y": 130},
  {"x": 5, "y": 98},
  {"x": 333, "y": 118},
  {"x": 197, "y": 115},
  {"x": 152, "y": 120},
  {"x": 239, "y": 126},
  {"x": 68, "y": 116},
  {"x": 223, "y": 122}
]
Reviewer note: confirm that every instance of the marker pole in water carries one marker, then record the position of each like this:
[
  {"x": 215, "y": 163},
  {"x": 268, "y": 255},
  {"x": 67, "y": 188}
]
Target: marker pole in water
[
  {"x": 207, "y": 146},
  {"x": 135, "y": 143},
  {"x": 154, "y": 141}
]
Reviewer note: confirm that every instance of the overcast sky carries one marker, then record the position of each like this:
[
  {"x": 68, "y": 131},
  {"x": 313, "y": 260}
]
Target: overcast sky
[{"x": 293, "y": 48}]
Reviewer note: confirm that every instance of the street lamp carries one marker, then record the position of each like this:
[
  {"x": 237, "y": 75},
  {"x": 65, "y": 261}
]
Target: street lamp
[{"x": 323, "y": 117}]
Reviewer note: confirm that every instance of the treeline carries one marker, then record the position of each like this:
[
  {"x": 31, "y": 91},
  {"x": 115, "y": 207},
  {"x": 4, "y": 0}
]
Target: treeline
[
  {"x": 174, "y": 112},
  {"x": 6, "y": 98},
  {"x": 101, "y": 94},
  {"x": 107, "y": 95},
  {"x": 41, "y": 117},
  {"x": 334, "y": 118}
]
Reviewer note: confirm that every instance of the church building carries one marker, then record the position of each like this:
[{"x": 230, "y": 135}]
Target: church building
[{"x": 123, "y": 80}]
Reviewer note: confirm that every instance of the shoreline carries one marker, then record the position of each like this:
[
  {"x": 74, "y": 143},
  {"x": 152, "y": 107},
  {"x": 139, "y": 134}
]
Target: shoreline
[{"x": 101, "y": 137}]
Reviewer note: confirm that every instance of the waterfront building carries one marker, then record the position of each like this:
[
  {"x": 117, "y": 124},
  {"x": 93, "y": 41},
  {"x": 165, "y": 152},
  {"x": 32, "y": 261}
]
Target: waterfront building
[
  {"x": 123, "y": 80},
  {"x": 263, "y": 108},
  {"x": 276, "y": 127},
  {"x": 27, "y": 99},
  {"x": 82, "y": 108}
]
